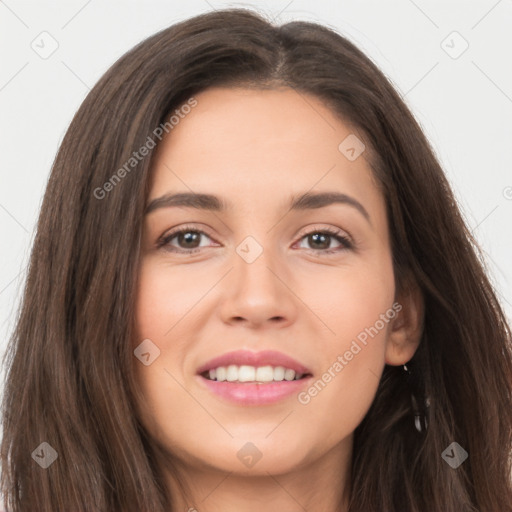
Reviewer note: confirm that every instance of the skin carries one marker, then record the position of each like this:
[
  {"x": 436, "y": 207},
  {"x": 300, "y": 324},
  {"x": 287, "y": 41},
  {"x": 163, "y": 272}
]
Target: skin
[{"x": 255, "y": 149}]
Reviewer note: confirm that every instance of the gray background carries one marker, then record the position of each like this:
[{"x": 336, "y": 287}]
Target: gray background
[{"x": 462, "y": 99}]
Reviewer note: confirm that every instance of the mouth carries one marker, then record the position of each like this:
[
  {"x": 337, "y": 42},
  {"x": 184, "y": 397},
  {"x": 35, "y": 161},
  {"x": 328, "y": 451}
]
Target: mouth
[
  {"x": 252, "y": 374},
  {"x": 253, "y": 378}
]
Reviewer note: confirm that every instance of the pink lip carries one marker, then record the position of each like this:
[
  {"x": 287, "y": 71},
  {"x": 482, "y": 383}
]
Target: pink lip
[
  {"x": 248, "y": 393},
  {"x": 245, "y": 357}
]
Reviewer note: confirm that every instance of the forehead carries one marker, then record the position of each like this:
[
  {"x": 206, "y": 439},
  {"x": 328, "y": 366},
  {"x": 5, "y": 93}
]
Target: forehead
[
  {"x": 250, "y": 119},
  {"x": 252, "y": 144}
]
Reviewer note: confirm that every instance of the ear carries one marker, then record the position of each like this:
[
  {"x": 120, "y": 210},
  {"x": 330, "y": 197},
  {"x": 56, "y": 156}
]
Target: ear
[{"x": 406, "y": 328}]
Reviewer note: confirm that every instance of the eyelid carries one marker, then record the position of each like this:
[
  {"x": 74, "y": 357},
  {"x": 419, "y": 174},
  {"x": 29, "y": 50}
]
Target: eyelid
[
  {"x": 331, "y": 229},
  {"x": 176, "y": 231}
]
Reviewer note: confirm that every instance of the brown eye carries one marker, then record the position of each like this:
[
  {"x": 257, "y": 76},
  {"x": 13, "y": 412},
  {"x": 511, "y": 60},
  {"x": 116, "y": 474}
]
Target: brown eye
[
  {"x": 320, "y": 241},
  {"x": 187, "y": 240}
]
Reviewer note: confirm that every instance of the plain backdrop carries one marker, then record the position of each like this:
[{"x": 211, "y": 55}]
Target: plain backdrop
[{"x": 449, "y": 60}]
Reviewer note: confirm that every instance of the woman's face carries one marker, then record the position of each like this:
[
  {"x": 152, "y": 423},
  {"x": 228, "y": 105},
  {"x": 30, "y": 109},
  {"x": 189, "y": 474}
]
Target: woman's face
[{"x": 263, "y": 276}]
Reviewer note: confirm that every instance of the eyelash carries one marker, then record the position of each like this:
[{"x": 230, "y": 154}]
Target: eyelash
[{"x": 345, "y": 241}]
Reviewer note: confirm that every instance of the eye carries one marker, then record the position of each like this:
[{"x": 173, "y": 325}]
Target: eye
[
  {"x": 189, "y": 240},
  {"x": 322, "y": 239},
  {"x": 188, "y": 236}
]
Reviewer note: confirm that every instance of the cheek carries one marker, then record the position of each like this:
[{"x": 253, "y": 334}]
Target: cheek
[
  {"x": 166, "y": 301},
  {"x": 159, "y": 307},
  {"x": 157, "y": 301},
  {"x": 357, "y": 309},
  {"x": 347, "y": 299},
  {"x": 169, "y": 310}
]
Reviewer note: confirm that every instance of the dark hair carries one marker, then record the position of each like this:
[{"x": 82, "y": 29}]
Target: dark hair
[{"x": 70, "y": 380}]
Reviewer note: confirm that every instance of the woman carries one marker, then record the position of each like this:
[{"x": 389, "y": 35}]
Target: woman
[{"x": 250, "y": 288}]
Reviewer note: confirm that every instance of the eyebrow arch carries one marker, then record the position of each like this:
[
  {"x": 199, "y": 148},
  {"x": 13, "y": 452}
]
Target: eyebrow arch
[{"x": 209, "y": 202}]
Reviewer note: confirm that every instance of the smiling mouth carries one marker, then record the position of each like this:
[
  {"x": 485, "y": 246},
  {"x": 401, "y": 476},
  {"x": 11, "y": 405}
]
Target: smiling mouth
[{"x": 253, "y": 375}]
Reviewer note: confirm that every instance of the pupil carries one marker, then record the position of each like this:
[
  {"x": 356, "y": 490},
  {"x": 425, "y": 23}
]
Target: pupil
[
  {"x": 315, "y": 237},
  {"x": 189, "y": 236}
]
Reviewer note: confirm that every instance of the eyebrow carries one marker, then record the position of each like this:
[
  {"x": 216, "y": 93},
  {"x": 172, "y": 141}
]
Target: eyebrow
[{"x": 209, "y": 202}]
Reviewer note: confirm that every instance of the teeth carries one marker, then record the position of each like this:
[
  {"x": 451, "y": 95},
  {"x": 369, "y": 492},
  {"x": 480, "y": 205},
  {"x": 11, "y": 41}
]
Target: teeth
[
  {"x": 245, "y": 373},
  {"x": 234, "y": 373}
]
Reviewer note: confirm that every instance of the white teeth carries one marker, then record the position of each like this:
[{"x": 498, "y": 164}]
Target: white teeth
[
  {"x": 265, "y": 374},
  {"x": 289, "y": 374},
  {"x": 244, "y": 373},
  {"x": 279, "y": 372},
  {"x": 232, "y": 373},
  {"x": 220, "y": 373}
]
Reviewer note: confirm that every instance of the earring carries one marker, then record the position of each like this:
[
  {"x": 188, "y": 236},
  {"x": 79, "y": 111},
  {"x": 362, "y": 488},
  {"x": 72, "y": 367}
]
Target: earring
[{"x": 420, "y": 416}]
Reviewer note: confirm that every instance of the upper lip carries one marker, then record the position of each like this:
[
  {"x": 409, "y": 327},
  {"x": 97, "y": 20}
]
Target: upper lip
[{"x": 246, "y": 357}]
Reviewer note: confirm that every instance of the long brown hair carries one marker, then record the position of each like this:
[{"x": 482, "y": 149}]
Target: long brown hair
[{"x": 70, "y": 382}]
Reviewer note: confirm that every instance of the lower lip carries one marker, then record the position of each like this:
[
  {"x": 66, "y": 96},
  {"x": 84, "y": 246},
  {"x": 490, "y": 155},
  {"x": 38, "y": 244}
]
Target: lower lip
[{"x": 249, "y": 393}]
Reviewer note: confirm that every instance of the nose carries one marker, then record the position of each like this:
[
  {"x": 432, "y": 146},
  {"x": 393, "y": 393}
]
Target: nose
[{"x": 259, "y": 293}]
